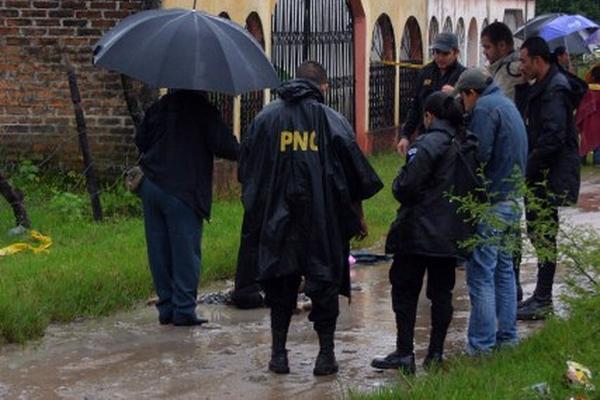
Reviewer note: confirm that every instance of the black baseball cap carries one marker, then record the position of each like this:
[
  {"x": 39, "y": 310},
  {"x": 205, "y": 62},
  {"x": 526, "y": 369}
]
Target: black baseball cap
[{"x": 445, "y": 42}]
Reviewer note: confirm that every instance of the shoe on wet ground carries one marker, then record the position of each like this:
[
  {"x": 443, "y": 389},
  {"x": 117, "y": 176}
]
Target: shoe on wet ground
[
  {"x": 535, "y": 308},
  {"x": 188, "y": 320},
  {"x": 433, "y": 360},
  {"x": 279, "y": 363},
  {"x": 395, "y": 360},
  {"x": 325, "y": 364}
]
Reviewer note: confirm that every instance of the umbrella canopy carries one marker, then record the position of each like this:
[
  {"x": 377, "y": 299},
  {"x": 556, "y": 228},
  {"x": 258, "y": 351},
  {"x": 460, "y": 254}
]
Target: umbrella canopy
[
  {"x": 570, "y": 31},
  {"x": 565, "y": 25},
  {"x": 593, "y": 39},
  {"x": 186, "y": 49},
  {"x": 532, "y": 28}
]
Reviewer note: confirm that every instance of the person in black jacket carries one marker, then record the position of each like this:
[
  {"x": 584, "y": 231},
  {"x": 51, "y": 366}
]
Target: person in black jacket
[
  {"x": 178, "y": 138},
  {"x": 303, "y": 179},
  {"x": 440, "y": 74},
  {"x": 553, "y": 159},
  {"x": 426, "y": 233}
]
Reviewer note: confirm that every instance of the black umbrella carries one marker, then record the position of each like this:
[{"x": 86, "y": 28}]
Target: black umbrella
[
  {"x": 186, "y": 49},
  {"x": 533, "y": 27}
]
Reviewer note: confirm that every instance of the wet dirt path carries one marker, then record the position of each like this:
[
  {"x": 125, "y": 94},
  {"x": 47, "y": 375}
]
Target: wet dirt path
[{"x": 129, "y": 356}]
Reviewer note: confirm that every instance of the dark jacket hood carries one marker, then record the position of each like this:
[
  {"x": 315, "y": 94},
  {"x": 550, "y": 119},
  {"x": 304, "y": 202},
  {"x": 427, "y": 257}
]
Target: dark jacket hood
[
  {"x": 560, "y": 79},
  {"x": 298, "y": 89}
]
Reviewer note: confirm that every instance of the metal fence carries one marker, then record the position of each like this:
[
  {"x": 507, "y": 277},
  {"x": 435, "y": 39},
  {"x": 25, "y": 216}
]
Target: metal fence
[{"x": 319, "y": 30}]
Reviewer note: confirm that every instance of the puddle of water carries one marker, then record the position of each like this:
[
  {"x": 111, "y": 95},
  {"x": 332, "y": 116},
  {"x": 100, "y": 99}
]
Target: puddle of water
[{"x": 130, "y": 356}]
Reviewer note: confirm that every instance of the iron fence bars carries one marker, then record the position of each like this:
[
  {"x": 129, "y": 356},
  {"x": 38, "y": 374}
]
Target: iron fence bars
[
  {"x": 251, "y": 104},
  {"x": 319, "y": 30},
  {"x": 382, "y": 77},
  {"x": 223, "y": 103},
  {"x": 382, "y": 88},
  {"x": 408, "y": 81}
]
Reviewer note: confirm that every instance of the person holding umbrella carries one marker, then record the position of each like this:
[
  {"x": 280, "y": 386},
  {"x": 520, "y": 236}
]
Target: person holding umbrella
[
  {"x": 178, "y": 139},
  {"x": 190, "y": 52}
]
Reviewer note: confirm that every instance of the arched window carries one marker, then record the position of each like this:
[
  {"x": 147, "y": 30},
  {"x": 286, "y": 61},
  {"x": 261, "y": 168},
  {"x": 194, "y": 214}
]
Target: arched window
[
  {"x": 473, "y": 44},
  {"x": 448, "y": 25},
  {"x": 412, "y": 46},
  {"x": 482, "y": 59},
  {"x": 434, "y": 29},
  {"x": 251, "y": 103},
  {"x": 460, "y": 34},
  {"x": 382, "y": 76}
]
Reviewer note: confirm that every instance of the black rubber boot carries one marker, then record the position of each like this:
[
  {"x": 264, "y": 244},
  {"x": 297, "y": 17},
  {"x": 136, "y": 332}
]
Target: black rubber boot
[
  {"x": 539, "y": 306},
  {"x": 433, "y": 360},
  {"x": 404, "y": 362},
  {"x": 279, "y": 360},
  {"x": 535, "y": 308},
  {"x": 326, "y": 363}
]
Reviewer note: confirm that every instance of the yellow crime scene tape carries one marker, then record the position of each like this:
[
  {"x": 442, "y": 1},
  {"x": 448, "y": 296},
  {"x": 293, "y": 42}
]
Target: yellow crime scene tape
[
  {"x": 402, "y": 64},
  {"x": 45, "y": 243},
  {"x": 595, "y": 86}
]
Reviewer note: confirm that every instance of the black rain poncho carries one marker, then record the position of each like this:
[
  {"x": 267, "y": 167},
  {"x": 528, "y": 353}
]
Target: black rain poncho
[{"x": 301, "y": 171}]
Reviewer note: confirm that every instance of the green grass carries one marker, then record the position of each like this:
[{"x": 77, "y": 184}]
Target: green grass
[
  {"x": 508, "y": 373},
  {"x": 94, "y": 269}
]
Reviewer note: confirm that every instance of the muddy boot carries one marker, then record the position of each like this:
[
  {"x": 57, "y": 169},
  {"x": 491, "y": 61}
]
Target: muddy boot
[
  {"x": 404, "y": 362},
  {"x": 279, "y": 359},
  {"x": 326, "y": 363},
  {"x": 535, "y": 308}
]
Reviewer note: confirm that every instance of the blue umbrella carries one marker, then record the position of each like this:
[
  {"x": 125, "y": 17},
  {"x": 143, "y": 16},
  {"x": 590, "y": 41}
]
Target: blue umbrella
[
  {"x": 593, "y": 39},
  {"x": 186, "y": 49},
  {"x": 565, "y": 25}
]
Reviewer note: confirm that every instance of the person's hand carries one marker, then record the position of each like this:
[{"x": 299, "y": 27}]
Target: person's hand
[
  {"x": 447, "y": 89},
  {"x": 402, "y": 146}
]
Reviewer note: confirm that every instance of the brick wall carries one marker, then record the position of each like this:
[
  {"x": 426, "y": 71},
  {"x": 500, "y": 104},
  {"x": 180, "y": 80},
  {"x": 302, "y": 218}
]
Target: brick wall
[{"x": 36, "y": 113}]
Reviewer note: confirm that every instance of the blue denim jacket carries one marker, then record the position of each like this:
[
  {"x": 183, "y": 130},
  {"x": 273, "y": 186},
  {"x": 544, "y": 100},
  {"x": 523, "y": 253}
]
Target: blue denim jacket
[{"x": 502, "y": 136}]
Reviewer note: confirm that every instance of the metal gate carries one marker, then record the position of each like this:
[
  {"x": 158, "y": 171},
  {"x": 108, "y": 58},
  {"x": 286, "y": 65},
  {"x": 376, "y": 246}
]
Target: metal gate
[
  {"x": 319, "y": 30},
  {"x": 382, "y": 76}
]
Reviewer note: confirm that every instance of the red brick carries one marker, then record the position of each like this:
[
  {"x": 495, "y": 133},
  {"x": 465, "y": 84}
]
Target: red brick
[
  {"x": 61, "y": 13},
  {"x": 34, "y": 13},
  {"x": 104, "y": 5},
  {"x": 45, "y": 4},
  {"x": 19, "y": 22}
]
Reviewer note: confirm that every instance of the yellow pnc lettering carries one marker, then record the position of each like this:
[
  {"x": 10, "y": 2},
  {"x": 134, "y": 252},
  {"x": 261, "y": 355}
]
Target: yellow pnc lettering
[
  {"x": 286, "y": 139},
  {"x": 298, "y": 141}
]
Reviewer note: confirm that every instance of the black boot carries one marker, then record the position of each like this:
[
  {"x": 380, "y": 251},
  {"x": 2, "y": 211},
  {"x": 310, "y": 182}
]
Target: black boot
[
  {"x": 326, "y": 363},
  {"x": 539, "y": 306},
  {"x": 395, "y": 360},
  {"x": 433, "y": 360},
  {"x": 535, "y": 308},
  {"x": 279, "y": 360}
]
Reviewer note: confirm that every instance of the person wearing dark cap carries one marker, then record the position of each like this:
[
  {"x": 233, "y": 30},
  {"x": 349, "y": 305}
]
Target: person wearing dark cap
[
  {"x": 552, "y": 164},
  {"x": 440, "y": 74},
  {"x": 496, "y": 122}
]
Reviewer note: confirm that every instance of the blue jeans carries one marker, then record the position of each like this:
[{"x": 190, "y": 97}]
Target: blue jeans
[
  {"x": 173, "y": 234},
  {"x": 491, "y": 283}
]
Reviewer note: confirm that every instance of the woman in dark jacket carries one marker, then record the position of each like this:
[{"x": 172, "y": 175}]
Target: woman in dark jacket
[{"x": 424, "y": 236}]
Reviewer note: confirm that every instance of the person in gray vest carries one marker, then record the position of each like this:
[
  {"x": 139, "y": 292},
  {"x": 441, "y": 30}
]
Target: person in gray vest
[{"x": 499, "y": 49}]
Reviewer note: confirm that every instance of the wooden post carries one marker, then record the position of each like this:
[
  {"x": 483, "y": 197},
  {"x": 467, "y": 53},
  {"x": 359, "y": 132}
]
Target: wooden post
[
  {"x": 15, "y": 199},
  {"x": 90, "y": 175}
]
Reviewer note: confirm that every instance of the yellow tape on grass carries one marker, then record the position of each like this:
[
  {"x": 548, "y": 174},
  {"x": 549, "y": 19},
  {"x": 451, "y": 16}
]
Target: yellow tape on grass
[{"x": 44, "y": 243}]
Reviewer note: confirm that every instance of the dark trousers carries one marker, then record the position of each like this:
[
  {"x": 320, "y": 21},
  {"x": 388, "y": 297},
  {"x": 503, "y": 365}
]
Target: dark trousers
[
  {"x": 542, "y": 229},
  {"x": 282, "y": 294},
  {"x": 173, "y": 234},
  {"x": 406, "y": 277}
]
